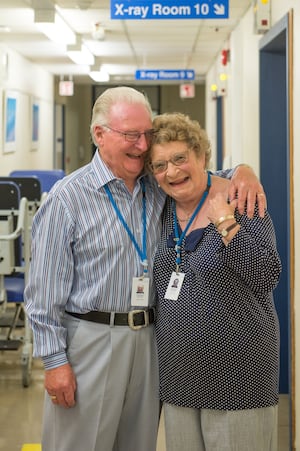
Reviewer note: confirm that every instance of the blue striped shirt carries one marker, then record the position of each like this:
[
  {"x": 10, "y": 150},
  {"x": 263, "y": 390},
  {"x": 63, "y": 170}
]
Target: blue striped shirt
[{"x": 82, "y": 256}]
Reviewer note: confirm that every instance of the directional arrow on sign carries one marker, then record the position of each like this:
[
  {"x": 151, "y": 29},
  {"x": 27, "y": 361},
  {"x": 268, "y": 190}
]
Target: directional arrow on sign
[{"x": 219, "y": 9}]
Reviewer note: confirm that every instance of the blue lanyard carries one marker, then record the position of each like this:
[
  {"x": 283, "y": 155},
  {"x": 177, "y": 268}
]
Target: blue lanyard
[
  {"x": 176, "y": 232},
  {"x": 142, "y": 252}
]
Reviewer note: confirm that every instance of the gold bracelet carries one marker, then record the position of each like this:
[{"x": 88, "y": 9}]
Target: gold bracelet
[{"x": 222, "y": 219}]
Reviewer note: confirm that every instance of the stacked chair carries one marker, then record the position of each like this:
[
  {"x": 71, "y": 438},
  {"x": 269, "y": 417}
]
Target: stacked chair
[
  {"x": 20, "y": 196},
  {"x": 47, "y": 177},
  {"x": 14, "y": 265}
]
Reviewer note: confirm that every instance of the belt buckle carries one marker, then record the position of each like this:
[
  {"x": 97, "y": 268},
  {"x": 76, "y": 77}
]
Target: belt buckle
[{"x": 131, "y": 319}]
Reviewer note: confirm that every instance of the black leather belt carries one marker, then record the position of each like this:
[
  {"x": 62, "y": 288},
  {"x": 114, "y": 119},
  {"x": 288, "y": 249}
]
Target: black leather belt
[{"x": 135, "y": 319}]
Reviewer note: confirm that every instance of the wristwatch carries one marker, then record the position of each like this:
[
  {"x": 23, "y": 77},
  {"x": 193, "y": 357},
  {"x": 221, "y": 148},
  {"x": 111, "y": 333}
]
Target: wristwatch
[{"x": 224, "y": 232}]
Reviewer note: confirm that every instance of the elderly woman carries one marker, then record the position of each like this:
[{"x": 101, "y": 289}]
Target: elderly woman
[{"x": 217, "y": 328}]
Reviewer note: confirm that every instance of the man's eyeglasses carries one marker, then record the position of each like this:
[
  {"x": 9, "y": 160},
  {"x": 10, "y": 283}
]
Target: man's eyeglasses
[
  {"x": 133, "y": 137},
  {"x": 178, "y": 159}
]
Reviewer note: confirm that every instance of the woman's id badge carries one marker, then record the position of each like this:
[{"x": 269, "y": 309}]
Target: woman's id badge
[{"x": 174, "y": 286}]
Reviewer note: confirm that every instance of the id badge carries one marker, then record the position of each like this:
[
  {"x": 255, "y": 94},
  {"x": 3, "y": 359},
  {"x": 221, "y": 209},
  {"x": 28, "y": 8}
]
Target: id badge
[
  {"x": 140, "y": 292},
  {"x": 174, "y": 286}
]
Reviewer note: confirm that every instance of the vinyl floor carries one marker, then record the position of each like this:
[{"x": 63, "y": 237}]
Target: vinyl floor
[{"x": 21, "y": 408}]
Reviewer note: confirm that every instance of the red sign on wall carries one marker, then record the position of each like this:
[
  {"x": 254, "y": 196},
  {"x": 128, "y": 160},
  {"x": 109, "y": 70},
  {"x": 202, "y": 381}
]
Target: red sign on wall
[
  {"x": 187, "y": 91},
  {"x": 66, "y": 88}
]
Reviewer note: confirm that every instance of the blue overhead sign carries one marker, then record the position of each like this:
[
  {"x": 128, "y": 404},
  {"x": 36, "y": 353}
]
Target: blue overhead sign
[
  {"x": 165, "y": 75},
  {"x": 167, "y": 9}
]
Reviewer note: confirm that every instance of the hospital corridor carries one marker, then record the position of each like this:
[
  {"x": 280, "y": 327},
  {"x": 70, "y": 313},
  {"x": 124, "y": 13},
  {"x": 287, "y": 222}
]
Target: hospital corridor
[{"x": 149, "y": 224}]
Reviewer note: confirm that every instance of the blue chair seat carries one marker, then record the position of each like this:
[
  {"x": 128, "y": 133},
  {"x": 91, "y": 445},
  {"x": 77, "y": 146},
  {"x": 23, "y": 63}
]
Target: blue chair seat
[{"x": 15, "y": 288}]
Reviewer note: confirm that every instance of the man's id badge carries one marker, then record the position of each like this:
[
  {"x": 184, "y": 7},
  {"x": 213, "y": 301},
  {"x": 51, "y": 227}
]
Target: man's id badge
[
  {"x": 174, "y": 286},
  {"x": 140, "y": 292}
]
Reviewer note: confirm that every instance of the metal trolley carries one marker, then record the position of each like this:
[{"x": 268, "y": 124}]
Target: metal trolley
[{"x": 19, "y": 199}]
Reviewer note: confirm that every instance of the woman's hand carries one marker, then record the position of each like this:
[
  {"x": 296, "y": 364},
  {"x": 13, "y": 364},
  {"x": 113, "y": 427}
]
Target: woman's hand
[
  {"x": 221, "y": 214},
  {"x": 218, "y": 207}
]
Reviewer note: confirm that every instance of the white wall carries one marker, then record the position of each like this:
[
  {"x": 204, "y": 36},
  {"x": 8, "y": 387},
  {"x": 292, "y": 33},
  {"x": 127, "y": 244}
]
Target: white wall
[
  {"x": 242, "y": 125},
  {"x": 28, "y": 82}
]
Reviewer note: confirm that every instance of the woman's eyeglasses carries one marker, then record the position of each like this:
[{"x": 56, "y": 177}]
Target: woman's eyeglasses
[{"x": 177, "y": 159}]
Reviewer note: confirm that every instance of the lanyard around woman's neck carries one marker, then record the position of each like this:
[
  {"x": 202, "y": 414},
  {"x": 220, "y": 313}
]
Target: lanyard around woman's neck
[
  {"x": 180, "y": 238},
  {"x": 142, "y": 252}
]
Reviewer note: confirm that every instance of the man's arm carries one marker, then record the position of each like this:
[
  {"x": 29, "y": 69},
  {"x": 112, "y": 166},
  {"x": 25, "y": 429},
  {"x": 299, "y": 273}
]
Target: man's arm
[{"x": 246, "y": 188}]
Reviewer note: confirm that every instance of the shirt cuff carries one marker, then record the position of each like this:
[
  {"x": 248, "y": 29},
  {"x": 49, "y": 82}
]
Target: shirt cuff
[
  {"x": 55, "y": 360},
  {"x": 225, "y": 173}
]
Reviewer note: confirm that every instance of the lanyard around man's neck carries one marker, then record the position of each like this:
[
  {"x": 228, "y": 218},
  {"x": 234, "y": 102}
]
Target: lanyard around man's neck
[{"x": 142, "y": 252}]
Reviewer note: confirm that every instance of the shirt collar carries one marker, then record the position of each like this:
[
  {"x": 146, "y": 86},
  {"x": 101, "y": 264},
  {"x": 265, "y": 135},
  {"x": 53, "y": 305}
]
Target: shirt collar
[{"x": 103, "y": 173}]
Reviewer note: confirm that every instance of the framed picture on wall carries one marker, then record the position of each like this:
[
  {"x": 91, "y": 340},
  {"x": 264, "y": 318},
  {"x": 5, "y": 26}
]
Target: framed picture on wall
[
  {"x": 10, "y": 121},
  {"x": 35, "y": 120}
]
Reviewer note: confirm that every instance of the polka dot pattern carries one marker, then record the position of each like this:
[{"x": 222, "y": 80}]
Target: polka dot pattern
[{"x": 218, "y": 344}]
